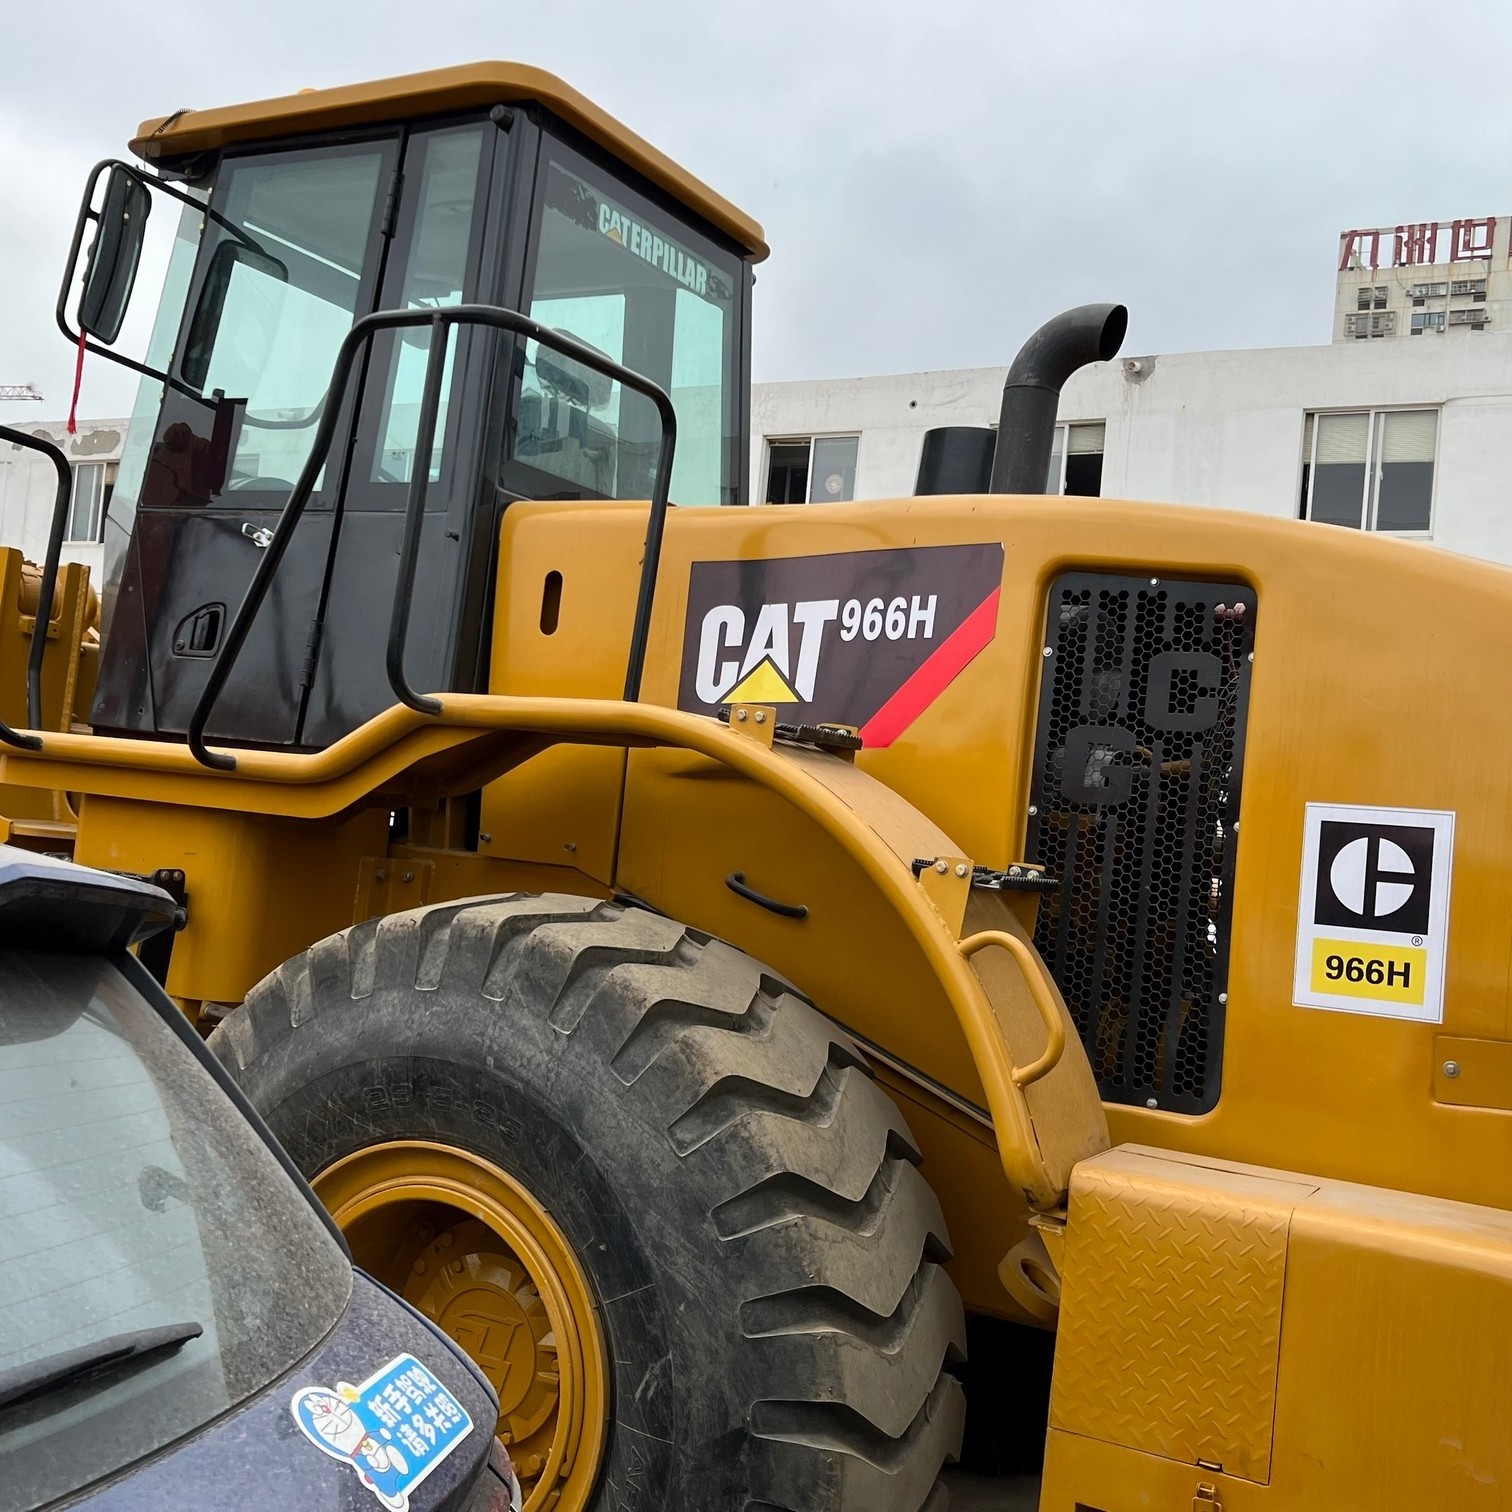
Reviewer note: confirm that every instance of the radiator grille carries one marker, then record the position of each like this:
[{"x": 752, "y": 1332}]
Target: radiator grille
[{"x": 1137, "y": 762}]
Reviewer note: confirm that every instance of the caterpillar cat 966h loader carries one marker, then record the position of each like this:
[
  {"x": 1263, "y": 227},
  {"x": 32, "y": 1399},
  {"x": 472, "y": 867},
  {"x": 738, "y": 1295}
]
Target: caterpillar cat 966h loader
[{"x": 703, "y": 956}]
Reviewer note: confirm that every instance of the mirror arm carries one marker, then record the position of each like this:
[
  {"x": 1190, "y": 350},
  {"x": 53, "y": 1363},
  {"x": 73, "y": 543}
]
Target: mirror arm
[{"x": 71, "y": 268}]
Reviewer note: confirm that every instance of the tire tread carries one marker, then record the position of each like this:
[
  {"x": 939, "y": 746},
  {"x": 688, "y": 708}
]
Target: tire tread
[{"x": 809, "y": 1171}]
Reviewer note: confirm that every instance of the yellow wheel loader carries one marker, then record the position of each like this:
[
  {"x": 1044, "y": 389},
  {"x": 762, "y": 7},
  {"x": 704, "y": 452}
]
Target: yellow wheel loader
[{"x": 711, "y": 960}]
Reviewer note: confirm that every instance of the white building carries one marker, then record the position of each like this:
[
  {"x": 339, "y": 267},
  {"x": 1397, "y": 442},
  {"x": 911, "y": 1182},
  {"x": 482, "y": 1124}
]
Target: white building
[
  {"x": 1409, "y": 437},
  {"x": 1426, "y": 278},
  {"x": 1414, "y": 438},
  {"x": 28, "y": 489}
]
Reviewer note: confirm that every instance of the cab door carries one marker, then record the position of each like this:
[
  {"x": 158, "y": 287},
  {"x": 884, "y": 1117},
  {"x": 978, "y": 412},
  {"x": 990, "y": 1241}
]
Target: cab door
[
  {"x": 437, "y": 259},
  {"x": 290, "y": 257}
]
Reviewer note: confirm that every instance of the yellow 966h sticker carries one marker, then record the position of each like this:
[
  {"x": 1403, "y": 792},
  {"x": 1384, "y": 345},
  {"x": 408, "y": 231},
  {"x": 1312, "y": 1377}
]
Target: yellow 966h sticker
[
  {"x": 1398, "y": 975},
  {"x": 1373, "y": 914}
]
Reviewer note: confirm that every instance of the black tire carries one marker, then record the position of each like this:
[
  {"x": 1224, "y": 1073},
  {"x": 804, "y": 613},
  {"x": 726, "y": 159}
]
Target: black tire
[{"x": 743, "y": 1196}]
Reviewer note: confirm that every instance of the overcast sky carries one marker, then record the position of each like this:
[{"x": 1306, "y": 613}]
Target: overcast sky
[{"x": 935, "y": 178}]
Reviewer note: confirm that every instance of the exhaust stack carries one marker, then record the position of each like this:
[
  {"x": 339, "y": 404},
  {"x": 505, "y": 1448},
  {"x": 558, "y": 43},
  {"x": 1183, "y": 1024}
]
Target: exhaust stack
[
  {"x": 1031, "y": 396},
  {"x": 955, "y": 459}
]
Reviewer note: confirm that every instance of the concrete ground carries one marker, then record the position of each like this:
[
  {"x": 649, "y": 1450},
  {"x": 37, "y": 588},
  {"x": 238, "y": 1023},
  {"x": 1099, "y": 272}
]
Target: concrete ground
[{"x": 980, "y": 1493}]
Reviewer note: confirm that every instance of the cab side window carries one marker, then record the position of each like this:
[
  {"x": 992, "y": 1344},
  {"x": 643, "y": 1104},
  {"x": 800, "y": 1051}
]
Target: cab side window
[{"x": 628, "y": 279}]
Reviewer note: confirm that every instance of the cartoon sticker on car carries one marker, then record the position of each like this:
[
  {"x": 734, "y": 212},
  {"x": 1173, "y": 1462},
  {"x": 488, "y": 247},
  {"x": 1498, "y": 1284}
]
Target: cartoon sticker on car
[{"x": 393, "y": 1429}]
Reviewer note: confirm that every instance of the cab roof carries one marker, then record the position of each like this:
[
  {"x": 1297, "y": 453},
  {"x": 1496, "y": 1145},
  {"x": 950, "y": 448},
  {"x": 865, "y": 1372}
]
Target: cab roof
[{"x": 466, "y": 86}]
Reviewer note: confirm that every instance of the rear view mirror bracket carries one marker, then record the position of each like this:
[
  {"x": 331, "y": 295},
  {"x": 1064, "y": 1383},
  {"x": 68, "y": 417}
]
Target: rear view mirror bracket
[{"x": 130, "y": 188}]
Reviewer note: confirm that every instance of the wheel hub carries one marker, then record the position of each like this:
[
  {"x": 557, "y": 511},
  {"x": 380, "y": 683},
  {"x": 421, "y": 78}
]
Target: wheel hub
[
  {"x": 479, "y": 1292},
  {"x": 469, "y": 1247}
]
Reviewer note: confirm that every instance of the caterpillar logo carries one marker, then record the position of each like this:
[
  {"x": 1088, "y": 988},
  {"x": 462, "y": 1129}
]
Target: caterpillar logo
[
  {"x": 645, "y": 243},
  {"x": 1374, "y": 919},
  {"x": 868, "y": 638}
]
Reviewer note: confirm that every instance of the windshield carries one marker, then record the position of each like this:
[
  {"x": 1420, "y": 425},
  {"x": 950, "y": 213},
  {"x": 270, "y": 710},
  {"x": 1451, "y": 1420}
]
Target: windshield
[
  {"x": 135, "y": 1196},
  {"x": 631, "y": 280}
]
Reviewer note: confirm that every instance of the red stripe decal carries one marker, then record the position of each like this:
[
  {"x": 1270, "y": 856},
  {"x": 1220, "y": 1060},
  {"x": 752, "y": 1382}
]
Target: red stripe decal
[{"x": 937, "y": 673}]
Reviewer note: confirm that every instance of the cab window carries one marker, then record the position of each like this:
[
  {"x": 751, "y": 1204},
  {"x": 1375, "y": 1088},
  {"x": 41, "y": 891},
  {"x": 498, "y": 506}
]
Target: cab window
[
  {"x": 285, "y": 271},
  {"x": 638, "y": 284},
  {"x": 436, "y": 268}
]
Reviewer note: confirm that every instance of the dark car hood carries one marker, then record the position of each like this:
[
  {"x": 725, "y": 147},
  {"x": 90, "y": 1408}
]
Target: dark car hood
[{"x": 256, "y": 1455}]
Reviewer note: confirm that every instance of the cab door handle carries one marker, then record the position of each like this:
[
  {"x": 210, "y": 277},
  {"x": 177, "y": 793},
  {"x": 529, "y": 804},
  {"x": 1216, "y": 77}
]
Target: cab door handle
[{"x": 259, "y": 535}]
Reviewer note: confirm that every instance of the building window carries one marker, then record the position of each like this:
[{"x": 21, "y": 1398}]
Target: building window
[
  {"x": 1370, "y": 469},
  {"x": 1427, "y": 320},
  {"x": 1475, "y": 288},
  {"x": 1076, "y": 460},
  {"x": 811, "y": 469},
  {"x": 1361, "y": 326},
  {"x": 787, "y": 471},
  {"x": 1477, "y": 320},
  {"x": 93, "y": 484},
  {"x": 1371, "y": 297},
  {"x": 1421, "y": 291}
]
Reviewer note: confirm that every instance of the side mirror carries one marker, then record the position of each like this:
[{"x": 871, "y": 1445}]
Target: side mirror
[
  {"x": 114, "y": 256},
  {"x": 259, "y": 317}
]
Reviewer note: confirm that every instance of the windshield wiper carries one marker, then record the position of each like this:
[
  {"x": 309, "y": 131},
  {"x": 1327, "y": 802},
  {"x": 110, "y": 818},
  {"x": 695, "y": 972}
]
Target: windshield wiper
[{"x": 37, "y": 1377}]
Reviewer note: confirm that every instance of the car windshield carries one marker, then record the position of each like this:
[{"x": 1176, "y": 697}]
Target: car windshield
[{"x": 135, "y": 1197}]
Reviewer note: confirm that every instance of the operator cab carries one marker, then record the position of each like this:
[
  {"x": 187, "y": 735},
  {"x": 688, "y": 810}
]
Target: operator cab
[{"x": 492, "y": 184}]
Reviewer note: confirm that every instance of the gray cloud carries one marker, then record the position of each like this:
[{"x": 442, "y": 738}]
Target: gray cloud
[{"x": 934, "y": 179}]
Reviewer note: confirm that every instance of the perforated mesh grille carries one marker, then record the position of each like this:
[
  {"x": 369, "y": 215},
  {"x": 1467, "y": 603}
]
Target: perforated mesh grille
[{"x": 1137, "y": 763}]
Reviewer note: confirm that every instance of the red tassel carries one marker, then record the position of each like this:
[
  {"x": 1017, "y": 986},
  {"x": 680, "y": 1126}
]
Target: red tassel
[{"x": 73, "y": 408}]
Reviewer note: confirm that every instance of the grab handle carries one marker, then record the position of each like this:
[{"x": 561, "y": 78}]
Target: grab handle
[{"x": 1039, "y": 989}]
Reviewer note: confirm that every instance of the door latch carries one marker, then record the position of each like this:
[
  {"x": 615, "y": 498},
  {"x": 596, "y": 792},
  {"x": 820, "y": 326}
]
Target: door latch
[
  {"x": 259, "y": 535},
  {"x": 1206, "y": 1499}
]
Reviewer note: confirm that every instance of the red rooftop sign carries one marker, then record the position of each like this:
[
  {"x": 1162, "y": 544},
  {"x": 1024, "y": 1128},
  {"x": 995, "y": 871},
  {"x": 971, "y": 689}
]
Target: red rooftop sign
[{"x": 1423, "y": 243}]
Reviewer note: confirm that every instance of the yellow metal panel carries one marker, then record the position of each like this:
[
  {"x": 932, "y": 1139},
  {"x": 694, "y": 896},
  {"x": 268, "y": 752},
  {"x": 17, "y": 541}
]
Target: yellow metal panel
[
  {"x": 465, "y": 874},
  {"x": 1472, "y": 1073},
  {"x": 1393, "y": 1388},
  {"x": 1396, "y": 1354},
  {"x": 465, "y": 87},
  {"x": 1171, "y": 1310},
  {"x": 73, "y": 610},
  {"x": 689, "y": 824},
  {"x": 260, "y": 890},
  {"x": 1362, "y": 697},
  {"x": 387, "y": 886},
  {"x": 1088, "y": 1475},
  {"x": 562, "y": 808}
]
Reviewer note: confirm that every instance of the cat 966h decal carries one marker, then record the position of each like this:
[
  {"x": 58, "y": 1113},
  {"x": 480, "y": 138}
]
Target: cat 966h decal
[{"x": 865, "y": 638}]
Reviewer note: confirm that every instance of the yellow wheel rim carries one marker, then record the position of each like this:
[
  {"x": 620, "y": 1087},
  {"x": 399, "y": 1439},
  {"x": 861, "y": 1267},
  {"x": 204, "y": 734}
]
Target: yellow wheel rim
[{"x": 468, "y": 1246}]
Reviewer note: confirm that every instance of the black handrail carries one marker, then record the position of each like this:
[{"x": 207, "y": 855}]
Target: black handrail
[
  {"x": 47, "y": 588},
  {"x": 440, "y": 322}
]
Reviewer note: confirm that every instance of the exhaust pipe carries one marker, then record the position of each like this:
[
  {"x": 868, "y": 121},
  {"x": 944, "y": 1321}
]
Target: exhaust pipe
[
  {"x": 1031, "y": 396},
  {"x": 955, "y": 459}
]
